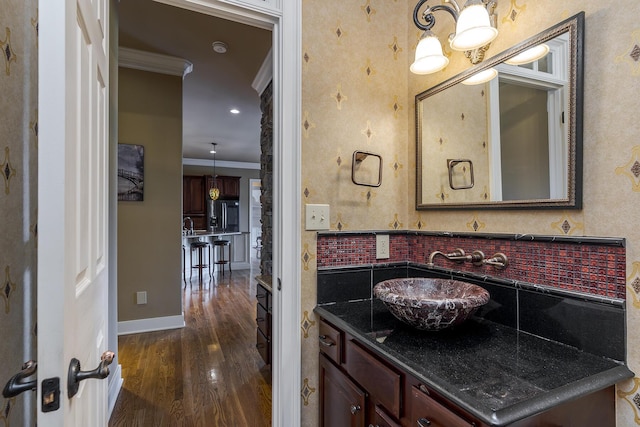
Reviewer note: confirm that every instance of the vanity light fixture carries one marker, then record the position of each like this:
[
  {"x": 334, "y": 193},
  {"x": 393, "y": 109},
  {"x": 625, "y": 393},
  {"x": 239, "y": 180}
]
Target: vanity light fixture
[
  {"x": 481, "y": 77},
  {"x": 530, "y": 55},
  {"x": 475, "y": 30},
  {"x": 214, "y": 191}
]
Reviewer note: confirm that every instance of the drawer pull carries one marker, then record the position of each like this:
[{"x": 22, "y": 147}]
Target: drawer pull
[
  {"x": 355, "y": 409},
  {"x": 423, "y": 422},
  {"x": 325, "y": 342},
  {"x": 260, "y": 319},
  {"x": 260, "y": 296},
  {"x": 260, "y": 345},
  {"x": 423, "y": 388}
]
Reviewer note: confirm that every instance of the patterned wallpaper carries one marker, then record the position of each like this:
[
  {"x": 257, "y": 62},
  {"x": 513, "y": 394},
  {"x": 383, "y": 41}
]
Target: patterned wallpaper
[
  {"x": 459, "y": 114},
  {"x": 359, "y": 94},
  {"x": 18, "y": 228}
]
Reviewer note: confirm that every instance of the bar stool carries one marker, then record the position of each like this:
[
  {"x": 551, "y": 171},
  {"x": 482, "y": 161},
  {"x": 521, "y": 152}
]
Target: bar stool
[
  {"x": 220, "y": 259},
  {"x": 199, "y": 247}
]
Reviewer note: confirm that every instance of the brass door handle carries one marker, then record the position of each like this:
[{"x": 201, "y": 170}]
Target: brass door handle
[
  {"x": 17, "y": 383},
  {"x": 76, "y": 375}
]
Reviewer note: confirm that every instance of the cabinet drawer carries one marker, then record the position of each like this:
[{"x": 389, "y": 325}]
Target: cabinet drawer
[
  {"x": 264, "y": 346},
  {"x": 382, "y": 382},
  {"x": 330, "y": 341},
  {"x": 427, "y": 412},
  {"x": 263, "y": 296},
  {"x": 382, "y": 419},
  {"x": 263, "y": 320}
]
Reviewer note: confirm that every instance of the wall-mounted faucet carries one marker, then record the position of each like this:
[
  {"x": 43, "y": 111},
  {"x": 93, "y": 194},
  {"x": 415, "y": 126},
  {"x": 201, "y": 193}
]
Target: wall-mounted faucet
[
  {"x": 498, "y": 260},
  {"x": 459, "y": 256}
]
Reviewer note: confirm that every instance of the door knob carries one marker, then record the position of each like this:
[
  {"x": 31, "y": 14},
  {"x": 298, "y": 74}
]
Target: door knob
[
  {"x": 17, "y": 384},
  {"x": 76, "y": 375}
]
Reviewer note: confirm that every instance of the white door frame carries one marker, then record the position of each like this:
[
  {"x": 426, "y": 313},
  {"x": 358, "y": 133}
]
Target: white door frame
[{"x": 284, "y": 18}]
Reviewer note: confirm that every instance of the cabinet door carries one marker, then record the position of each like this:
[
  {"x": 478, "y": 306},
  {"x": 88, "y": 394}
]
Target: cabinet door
[
  {"x": 193, "y": 201},
  {"x": 231, "y": 187},
  {"x": 427, "y": 412},
  {"x": 342, "y": 403}
]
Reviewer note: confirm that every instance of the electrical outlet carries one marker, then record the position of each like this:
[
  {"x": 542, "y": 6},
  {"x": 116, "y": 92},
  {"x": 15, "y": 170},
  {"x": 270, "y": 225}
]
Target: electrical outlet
[
  {"x": 317, "y": 217},
  {"x": 382, "y": 246},
  {"x": 141, "y": 297}
]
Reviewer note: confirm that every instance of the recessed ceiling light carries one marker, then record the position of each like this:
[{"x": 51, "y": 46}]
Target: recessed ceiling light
[
  {"x": 234, "y": 111},
  {"x": 219, "y": 47}
]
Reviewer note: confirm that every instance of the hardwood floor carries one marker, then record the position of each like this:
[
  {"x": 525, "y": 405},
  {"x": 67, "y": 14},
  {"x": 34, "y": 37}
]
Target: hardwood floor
[{"x": 206, "y": 374}]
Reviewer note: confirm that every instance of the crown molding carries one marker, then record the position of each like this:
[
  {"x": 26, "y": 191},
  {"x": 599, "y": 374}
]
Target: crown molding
[
  {"x": 154, "y": 62},
  {"x": 220, "y": 163},
  {"x": 264, "y": 75}
]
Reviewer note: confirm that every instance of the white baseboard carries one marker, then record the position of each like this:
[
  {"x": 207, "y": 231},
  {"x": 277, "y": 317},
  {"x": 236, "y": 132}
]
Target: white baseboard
[
  {"x": 152, "y": 324},
  {"x": 115, "y": 385},
  {"x": 240, "y": 266}
]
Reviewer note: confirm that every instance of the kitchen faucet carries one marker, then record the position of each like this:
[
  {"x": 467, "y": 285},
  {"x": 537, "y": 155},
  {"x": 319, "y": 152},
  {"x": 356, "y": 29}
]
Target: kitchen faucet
[{"x": 190, "y": 229}]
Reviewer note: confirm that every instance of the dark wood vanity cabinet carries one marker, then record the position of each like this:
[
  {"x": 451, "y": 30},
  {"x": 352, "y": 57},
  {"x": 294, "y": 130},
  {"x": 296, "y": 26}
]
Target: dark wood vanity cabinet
[
  {"x": 263, "y": 322},
  {"x": 361, "y": 388}
]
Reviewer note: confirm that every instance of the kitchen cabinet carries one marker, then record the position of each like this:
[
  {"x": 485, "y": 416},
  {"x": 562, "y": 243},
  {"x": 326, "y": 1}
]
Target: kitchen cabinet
[
  {"x": 229, "y": 186},
  {"x": 193, "y": 200},
  {"x": 263, "y": 318},
  {"x": 380, "y": 393}
]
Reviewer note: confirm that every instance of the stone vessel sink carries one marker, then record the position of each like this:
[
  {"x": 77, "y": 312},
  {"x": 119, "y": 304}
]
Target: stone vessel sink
[{"x": 431, "y": 304}]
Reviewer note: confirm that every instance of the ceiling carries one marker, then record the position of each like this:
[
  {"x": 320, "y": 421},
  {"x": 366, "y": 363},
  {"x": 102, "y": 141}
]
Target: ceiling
[{"x": 218, "y": 82}]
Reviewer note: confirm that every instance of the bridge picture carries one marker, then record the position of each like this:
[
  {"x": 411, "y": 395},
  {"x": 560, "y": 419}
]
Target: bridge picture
[{"x": 130, "y": 172}]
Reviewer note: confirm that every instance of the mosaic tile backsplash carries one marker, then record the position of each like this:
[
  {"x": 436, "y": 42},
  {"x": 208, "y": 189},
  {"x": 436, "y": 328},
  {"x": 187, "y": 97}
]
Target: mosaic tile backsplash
[{"x": 595, "y": 267}]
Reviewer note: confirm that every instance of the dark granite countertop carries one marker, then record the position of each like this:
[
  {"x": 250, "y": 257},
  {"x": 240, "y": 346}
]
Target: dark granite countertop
[{"x": 492, "y": 371}]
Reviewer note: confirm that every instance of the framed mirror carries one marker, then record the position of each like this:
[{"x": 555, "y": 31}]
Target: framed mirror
[{"x": 521, "y": 130}]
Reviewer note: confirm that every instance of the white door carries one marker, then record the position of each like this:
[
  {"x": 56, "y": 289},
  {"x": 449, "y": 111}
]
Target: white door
[{"x": 72, "y": 204}]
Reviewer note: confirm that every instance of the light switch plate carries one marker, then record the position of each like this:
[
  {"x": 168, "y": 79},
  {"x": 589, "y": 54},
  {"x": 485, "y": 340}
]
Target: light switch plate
[
  {"x": 317, "y": 217},
  {"x": 382, "y": 246},
  {"x": 141, "y": 297}
]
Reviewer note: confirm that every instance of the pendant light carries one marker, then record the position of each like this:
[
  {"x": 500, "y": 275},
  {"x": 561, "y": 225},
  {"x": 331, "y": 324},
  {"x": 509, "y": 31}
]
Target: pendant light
[{"x": 214, "y": 192}]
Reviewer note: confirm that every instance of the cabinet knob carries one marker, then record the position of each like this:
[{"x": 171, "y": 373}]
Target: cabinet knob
[
  {"x": 355, "y": 409},
  {"x": 423, "y": 422}
]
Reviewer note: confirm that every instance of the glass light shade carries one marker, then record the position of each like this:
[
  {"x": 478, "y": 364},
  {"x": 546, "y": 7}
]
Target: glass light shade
[
  {"x": 481, "y": 77},
  {"x": 529, "y": 55},
  {"x": 429, "y": 57},
  {"x": 473, "y": 28},
  {"x": 214, "y": 193}
]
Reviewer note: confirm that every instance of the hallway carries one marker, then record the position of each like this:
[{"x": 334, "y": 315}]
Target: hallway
[{"x": 206, "y": 374}]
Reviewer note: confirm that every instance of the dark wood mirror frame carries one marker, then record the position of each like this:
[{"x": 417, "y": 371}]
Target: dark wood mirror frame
[{"x": 575, "y": 27}]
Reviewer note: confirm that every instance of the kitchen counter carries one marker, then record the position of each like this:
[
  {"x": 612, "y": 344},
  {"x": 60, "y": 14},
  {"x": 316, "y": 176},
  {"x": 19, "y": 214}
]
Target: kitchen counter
[
  {"x": 494, "y": 372},
  {"x": 205, "y": 233}
]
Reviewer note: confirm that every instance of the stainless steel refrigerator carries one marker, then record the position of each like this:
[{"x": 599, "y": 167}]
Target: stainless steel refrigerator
[{"x": 224, "y": 216}]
